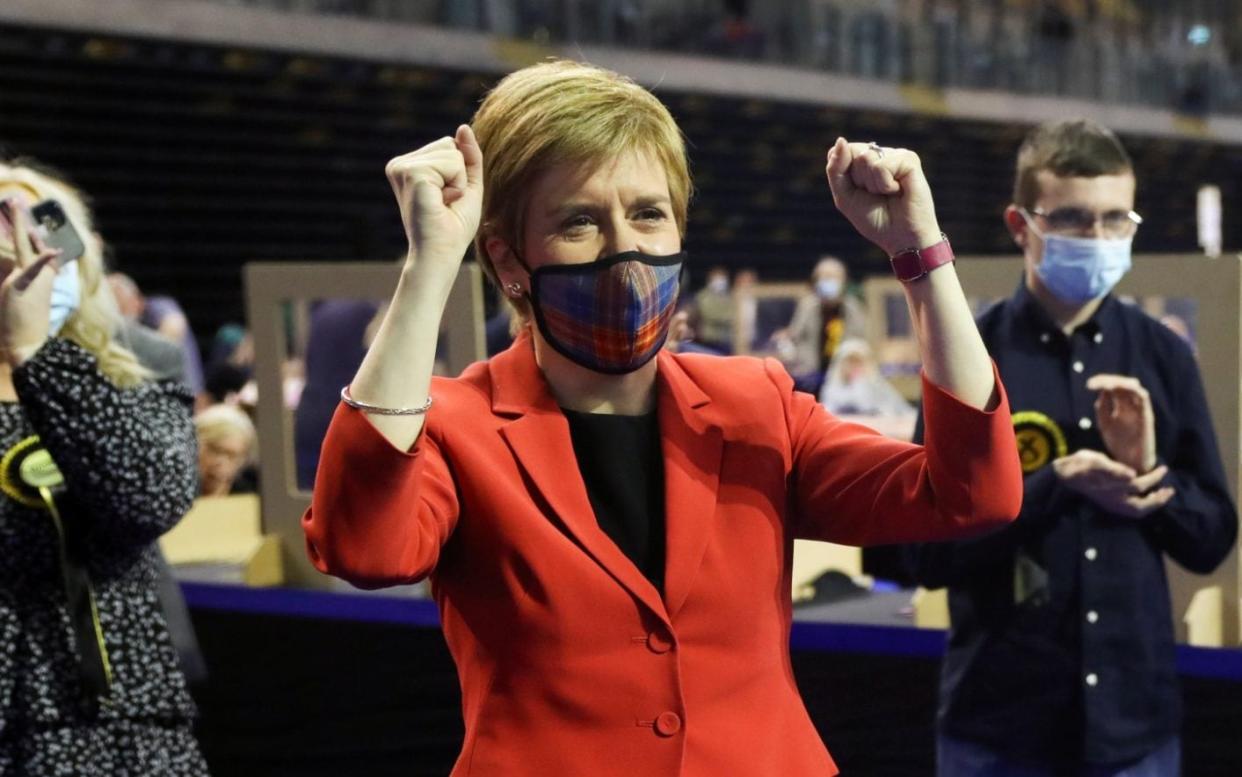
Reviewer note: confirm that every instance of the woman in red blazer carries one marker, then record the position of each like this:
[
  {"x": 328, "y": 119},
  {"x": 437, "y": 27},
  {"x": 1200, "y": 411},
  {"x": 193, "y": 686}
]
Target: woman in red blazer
[{"x": 608, "y": 526}]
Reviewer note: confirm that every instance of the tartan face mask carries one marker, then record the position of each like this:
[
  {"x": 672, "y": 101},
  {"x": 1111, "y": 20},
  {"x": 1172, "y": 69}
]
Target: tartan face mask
[{"x": 611, "y": 315}]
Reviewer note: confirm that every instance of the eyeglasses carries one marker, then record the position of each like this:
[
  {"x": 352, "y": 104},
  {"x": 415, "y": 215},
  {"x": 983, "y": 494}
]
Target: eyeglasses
[{"x": 1081, "y": 222}]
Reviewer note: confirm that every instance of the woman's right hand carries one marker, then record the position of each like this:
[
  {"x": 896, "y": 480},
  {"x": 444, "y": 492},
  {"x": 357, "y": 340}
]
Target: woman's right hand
[
  {"x": 439, "y": 189},
  {"x": 25, "y": 289}
]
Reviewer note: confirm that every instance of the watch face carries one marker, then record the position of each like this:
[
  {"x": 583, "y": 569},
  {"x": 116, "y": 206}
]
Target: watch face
[
  {"x": 915, "y": 263},
  {"x": 908, "y": 266}
]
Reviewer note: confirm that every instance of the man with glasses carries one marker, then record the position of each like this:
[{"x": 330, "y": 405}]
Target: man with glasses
[{"x": 1060, "y": 658}]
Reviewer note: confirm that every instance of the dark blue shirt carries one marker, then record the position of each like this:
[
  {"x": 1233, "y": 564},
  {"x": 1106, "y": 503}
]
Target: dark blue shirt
[{"x": 1061, "y": 645}]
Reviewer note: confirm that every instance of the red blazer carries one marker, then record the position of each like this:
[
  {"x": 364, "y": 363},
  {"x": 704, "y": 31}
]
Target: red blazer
[{"x": 571, "y": 662}]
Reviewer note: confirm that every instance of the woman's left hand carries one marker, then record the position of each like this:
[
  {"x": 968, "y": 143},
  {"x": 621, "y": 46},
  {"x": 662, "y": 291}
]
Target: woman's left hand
[
  {"x": 884, "y": 194},
  {"x": 25, "y": 289}
]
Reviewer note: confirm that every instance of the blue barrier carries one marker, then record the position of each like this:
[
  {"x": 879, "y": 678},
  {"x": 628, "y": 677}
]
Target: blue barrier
[{"x": 1221, "y": 663}]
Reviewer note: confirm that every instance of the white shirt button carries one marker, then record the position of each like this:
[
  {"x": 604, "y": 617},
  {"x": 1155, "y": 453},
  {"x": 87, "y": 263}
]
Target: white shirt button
[
  {"x": 1093, "y": 680},
  {"x": 1092, "y": 616},
  {"x": 1091, "y": 553},
  {"x": 1099, "y": 338},
  {"x": 1045, "y": 338},
  {"x": 1084, "y": 423},
  {"x": 1078, "y": 367}
]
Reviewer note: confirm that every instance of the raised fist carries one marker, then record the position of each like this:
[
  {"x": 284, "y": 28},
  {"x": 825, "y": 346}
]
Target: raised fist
[
  {"x": 884, "y": 194},
  {"x": 439, "y": 189}
]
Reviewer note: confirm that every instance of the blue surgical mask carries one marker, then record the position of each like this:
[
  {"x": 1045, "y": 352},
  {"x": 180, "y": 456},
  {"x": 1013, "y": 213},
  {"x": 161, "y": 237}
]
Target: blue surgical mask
[
  {"x": 828, "y": 288},
  {"x": 66, "y": 296},
  {"x": 1080, "y": 269}
]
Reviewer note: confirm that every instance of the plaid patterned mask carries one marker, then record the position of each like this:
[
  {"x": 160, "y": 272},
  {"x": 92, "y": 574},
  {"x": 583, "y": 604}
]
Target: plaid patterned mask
[{"x": 611, "y": 315}]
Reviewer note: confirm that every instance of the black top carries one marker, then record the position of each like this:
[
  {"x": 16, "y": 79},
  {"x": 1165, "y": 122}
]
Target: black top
[
  {"x": 1062, "y": 637},
  {"x": 621, "y": 465},
  {"x": 130, "y": 467}
]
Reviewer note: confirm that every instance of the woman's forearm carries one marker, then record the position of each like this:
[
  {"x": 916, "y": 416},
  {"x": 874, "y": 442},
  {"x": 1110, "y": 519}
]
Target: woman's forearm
[
  {"x": 885, "y": 195},
  {"x": 396, "y": 371},
  {"x": 954, "y": 356},
  {"x": 439, "y": 189}
]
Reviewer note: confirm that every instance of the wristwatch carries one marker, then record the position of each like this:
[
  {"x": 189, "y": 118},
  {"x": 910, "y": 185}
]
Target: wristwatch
[{"x": 914, "y": 263}]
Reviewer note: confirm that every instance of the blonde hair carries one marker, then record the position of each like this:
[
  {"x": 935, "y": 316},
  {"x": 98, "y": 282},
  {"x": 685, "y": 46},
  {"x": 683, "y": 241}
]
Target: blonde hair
[
  {"x": 220, "y": 421},
  {"x": 92, "y": 325},
  {"x": 560, "y": 112}
]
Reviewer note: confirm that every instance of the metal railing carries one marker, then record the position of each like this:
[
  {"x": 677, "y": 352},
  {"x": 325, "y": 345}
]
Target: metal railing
[{"x": 1142, "y": 52}]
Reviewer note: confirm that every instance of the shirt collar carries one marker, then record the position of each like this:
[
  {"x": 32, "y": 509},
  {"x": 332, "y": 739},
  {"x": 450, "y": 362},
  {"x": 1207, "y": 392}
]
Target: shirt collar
[{"x": 1028, "y": 309}]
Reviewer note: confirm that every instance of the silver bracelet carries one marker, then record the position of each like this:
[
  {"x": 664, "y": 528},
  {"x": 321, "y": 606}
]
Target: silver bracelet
[{"x": 377, "y": 410}]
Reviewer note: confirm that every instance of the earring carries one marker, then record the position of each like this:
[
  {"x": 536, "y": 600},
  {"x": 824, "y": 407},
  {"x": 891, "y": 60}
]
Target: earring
[{"x": 513, "y": 289}]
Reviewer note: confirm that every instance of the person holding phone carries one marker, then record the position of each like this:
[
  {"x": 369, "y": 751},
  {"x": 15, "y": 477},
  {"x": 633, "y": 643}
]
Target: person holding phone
[
  {"x": 97, "y": 461},
  {"x": 608, "y": 526}
]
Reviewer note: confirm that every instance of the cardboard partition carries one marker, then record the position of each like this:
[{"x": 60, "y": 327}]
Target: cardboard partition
[
  {"x": 220, "y": 540},
  {"x": 271, "y": 287}
]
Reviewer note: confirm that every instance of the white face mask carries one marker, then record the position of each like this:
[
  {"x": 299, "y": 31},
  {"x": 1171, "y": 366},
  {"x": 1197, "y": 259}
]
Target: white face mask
[
  {"x": 828, "y": 288},
  {"x": 718, "y": 285},
  {"x": 66, "y": 296}
]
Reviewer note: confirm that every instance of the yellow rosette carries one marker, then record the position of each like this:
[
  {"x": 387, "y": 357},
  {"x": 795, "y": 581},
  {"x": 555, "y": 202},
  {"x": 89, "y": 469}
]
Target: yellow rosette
[
  {"x": 1039, "y": 438},
  {"x": 25, "y": 469}
]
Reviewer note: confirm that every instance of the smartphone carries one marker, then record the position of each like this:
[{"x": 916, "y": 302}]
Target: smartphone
[{"x": 57, "y": 231}]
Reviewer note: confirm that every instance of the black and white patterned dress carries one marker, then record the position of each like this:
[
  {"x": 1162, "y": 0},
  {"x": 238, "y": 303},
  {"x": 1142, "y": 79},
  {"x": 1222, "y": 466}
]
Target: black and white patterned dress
[{"x": 130, "y": 468}]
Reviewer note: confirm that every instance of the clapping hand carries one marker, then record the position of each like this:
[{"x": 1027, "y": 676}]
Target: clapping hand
[
  {"x": 1124, "y": 415},
  {"x": 1112, "y": 486}
]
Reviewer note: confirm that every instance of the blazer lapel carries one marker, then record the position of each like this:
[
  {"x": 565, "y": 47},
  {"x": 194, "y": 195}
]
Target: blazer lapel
[
  {"x": 692, "y": 447},
  {"x": 539, "y": 439}
]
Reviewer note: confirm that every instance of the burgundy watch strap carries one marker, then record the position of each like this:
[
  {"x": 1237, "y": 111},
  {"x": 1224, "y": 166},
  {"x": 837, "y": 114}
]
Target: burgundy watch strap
[{"x": 914, "y": 263}]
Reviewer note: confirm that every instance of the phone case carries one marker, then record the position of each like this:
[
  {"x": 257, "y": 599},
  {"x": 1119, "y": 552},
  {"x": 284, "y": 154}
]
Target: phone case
[{"x": 57, "y": 230}]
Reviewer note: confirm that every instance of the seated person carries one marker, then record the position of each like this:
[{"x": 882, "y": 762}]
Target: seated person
[
  {"x": 855, "y": 391},
  {"x": 226, "y": 445},
  {"x": 824, "y": 317},
  {"x": 229, "y": 374},
  {"x": 714, "y": 309}
]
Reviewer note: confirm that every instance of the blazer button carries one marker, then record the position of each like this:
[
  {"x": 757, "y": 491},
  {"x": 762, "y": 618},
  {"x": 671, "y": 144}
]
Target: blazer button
[
  {"x": 658, "y": 643},
  {"x": 667, "y": 724}
]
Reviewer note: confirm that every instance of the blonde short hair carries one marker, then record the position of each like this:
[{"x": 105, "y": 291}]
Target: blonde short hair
[
  {"x": 559, "y": 112},
  {"x": 96, "y": 320},
  {"x": 221, "y": 421}
]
